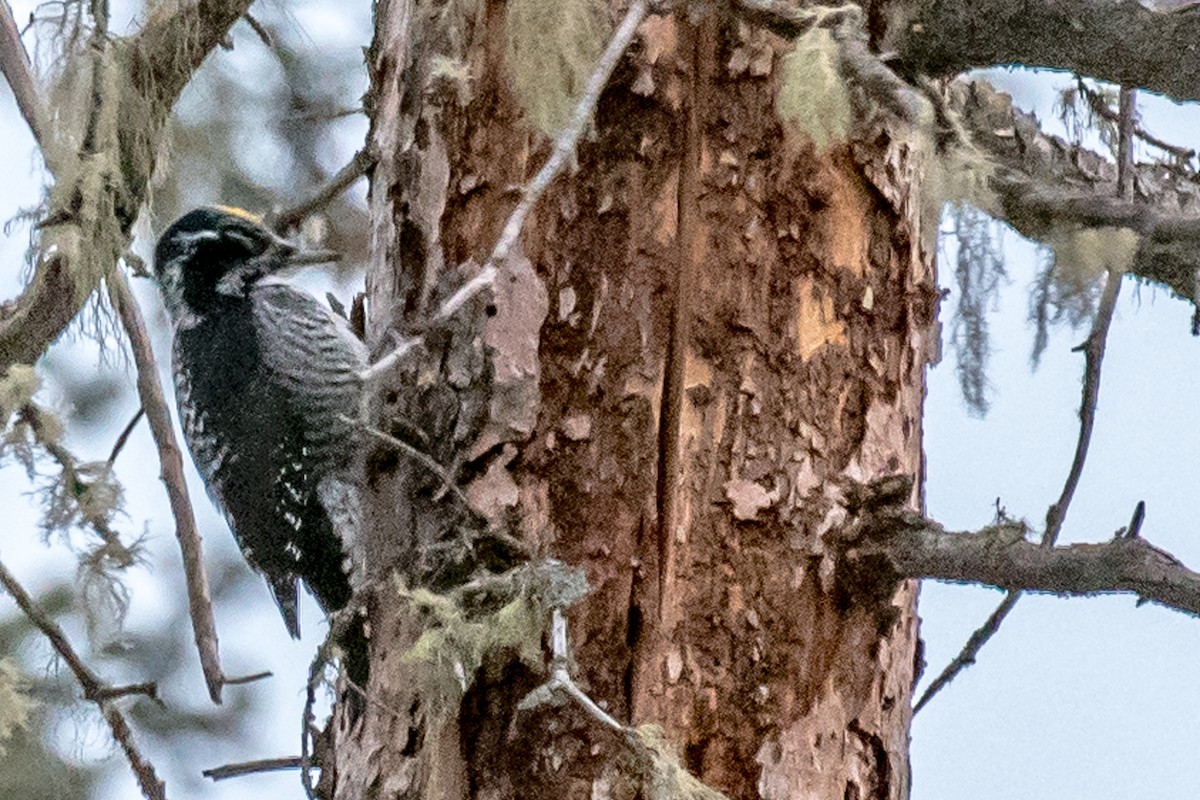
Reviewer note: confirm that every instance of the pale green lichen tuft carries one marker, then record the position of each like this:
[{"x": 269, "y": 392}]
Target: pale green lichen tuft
[
  {"x": 551, "y": 50},
  {"x": 1082, "y": 256},
  {"x": 813, "y": 98},
  {"x": 17, "y": 387},
  {"x": 15, "y": 703},
  {"x": 500, "y": 613},
  {"x": 666, "y": 779}
]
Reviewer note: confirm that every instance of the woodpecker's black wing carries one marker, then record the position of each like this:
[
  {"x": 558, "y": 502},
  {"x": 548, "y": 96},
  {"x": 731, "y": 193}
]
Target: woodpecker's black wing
[{"x": 264, "y": 384}]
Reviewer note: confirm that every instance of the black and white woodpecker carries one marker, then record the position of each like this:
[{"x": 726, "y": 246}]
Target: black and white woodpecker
[{"x": 268, "y": 382}]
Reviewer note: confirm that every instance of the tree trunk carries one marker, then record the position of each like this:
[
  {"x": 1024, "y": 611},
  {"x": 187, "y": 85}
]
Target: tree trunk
[{"x": 708, "y": 328}]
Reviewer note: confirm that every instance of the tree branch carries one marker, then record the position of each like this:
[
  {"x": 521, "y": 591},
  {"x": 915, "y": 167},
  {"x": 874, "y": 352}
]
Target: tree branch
[
  {"x": 899, "y": 545},
  {"x": 359, "y": 165},
  {"x": 171, "y": 460},
  {"x": 1118, "y": 41},
  {"x": 1093, "y": 350},
  {"x": 94, "y": 689},
  {"x": 157, "y": 63},
  {"x": 242, "y": 768},
  {"x": 1101, "y": 109},
  {"x": 1045, "y": 185},
  {"x": 15, "y": 66}
]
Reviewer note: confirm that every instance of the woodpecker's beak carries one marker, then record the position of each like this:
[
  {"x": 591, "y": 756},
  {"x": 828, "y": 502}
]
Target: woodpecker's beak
[{"x": 290, "y": 254}]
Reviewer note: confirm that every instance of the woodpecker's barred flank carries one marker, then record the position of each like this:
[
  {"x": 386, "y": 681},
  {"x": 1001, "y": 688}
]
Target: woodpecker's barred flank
[{"x": 268, "y": 383}]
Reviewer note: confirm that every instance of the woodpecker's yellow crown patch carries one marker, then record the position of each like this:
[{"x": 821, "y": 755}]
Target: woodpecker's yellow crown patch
[{"x": 242, "y": 213}]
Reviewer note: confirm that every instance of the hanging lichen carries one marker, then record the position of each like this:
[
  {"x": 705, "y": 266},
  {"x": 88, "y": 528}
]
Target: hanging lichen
[
  {"x": 1068, "y": 282},
  {"x": 497, "y": 613},
  {"x": 978, "y": 274}
]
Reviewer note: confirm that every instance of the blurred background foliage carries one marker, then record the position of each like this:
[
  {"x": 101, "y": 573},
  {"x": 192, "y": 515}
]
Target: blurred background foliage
[{"x": 265, "y": 122}]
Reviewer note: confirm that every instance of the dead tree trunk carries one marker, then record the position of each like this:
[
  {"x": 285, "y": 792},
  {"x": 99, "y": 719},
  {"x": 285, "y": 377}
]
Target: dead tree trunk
[{"x": 707, "y": 328}]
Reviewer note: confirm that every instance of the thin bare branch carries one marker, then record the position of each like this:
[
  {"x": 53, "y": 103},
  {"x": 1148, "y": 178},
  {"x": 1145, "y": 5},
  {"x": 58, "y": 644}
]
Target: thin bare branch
[
  {"x": 1134, "y": 528},
  {"x": 119, "y": 445},
  {"x": 339, "y": 624},
  {"x": 970, "y": 650},
  {"x": 1093, "y": 353},
  {"x": 113, "y": 692},
  {"x": 94, "y": 689},
  {"x": 1126, "y": 128},
  {"x": 1093, "y": 349},
  {"x": 251, "y": 678},
  {"x": 171, "y": 460},
  {"x": 359, "y": 166},
  {"x": 260, "y": 30},
  {"x": 647, "y": 761},
  {"x": 424, "y": 459}
]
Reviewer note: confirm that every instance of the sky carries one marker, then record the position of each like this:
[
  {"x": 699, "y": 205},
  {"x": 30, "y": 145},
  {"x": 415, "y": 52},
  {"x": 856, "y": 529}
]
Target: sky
[{"x": 1089, "y": 698}]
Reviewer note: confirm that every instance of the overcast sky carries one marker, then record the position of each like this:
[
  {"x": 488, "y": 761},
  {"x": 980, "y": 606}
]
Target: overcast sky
[{"x": 1088, "y": 699}]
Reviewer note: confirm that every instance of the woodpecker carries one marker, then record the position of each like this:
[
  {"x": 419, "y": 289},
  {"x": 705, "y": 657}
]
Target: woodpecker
[{"x": 269, "y": 388}]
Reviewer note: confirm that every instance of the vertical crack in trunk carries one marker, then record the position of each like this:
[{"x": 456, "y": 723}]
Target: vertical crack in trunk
[
  {"x": 651, "y": 603},
  {"x": 688, "y": 234}
]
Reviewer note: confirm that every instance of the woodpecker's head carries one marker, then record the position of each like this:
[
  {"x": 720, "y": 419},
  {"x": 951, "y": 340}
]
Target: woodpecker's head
[{"x": 215, "y": 254}]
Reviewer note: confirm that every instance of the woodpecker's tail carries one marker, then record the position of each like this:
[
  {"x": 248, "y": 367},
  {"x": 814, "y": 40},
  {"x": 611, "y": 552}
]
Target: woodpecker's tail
[{"x": 284, "y": 588}]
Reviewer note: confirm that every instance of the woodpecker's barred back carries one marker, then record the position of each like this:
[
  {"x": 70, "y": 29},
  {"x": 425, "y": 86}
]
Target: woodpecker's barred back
[{"x": 268, "y": 386}]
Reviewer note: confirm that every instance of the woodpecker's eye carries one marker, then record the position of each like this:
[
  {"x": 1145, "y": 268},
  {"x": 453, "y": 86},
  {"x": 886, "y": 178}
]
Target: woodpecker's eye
[{"x": 250, "y": 242}]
